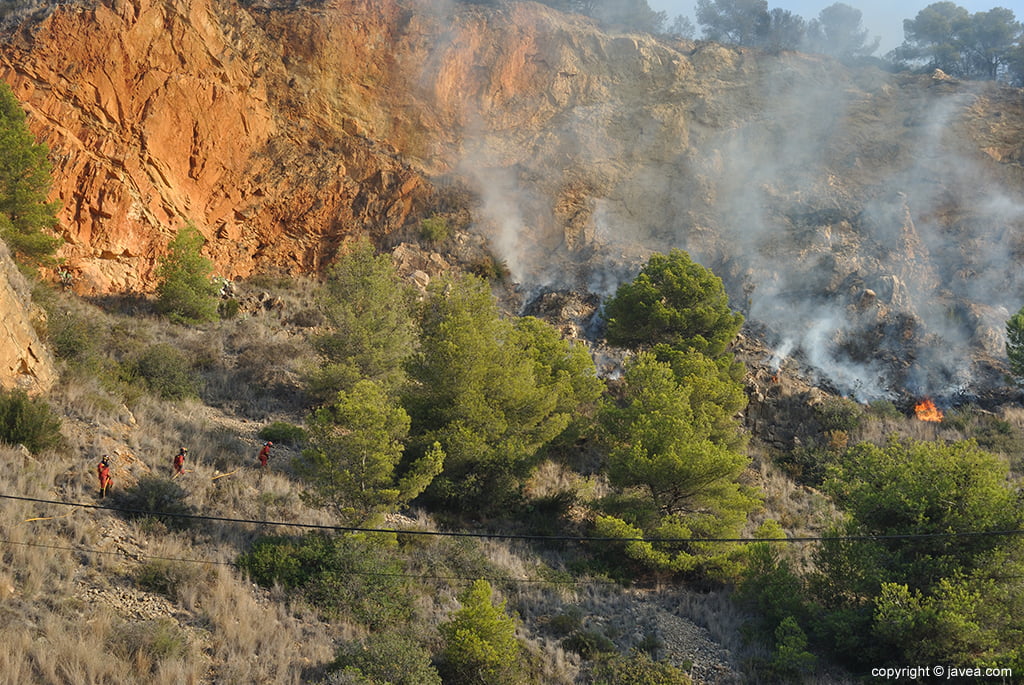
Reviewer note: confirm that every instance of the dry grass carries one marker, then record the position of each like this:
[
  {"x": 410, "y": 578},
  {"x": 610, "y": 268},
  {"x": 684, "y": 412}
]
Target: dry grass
[
  {"x": 255, "y": 640},
  {"x": 50, "y": 591},
  {"x": 552, "y": 478},
  {"x": 191, "y": 622}
]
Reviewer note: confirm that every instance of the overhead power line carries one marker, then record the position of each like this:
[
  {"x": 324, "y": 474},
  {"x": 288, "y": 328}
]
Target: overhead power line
[
  {"x": 138, "y": 557},
  {"x": 521, "y": 536}
]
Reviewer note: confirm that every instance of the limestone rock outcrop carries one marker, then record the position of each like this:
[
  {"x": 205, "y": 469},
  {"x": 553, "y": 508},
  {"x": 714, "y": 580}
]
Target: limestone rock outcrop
[
  {"x": 24, "y": 362},
  {"x": 161, "y": 113}
]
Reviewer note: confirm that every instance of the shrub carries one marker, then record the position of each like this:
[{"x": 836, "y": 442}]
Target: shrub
[
  {"x": 167, "y": 577},
  {"x": 839, "y": 414},
  {"x": 185, "y": 292},
  {"x": 637, "y": 669},
  {"x": 480, "y": 640},
  {"x": 435, "y": 229},
  {"x": 158, "y": 640},
  {"x": 164, "y": 370},
  {"x": 228, "y": 309},
  {"x": 157, "y": 499},
  {"x": 589, "y": 643},
  {"x": 73, "y": 336},
  {"x": 807, "y": 465},
  {"x": 356, "y": 577},
  {"x": 388, "y": 658},
  {"x": 281, "y": 432},
  {"x": 566, "y": 622},
  {"x": 489, "y": 268},
  {"x": 28, "y": 421},
  {"x": 883, "y": 409}
]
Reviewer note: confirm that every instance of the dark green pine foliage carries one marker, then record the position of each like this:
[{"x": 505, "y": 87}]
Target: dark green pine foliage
[
  {"x": 492, "y": 393},
  {"x": 676, "y": 302},
  {"x": 185, "y": 290},
  {"x": 371, "y": 324},
  {"x": 25, "y": 215}
]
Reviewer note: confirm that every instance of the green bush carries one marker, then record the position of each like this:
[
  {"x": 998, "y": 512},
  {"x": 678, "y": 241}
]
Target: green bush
[
  {"x": 281, "y": 432},
  {"x": 354, "y": 576},
  {"x": 228, "y": 309},
  {"x": 435, "y": 229},
  {"x": 637, "y": 669},
  {"x": 164, "y": 370},
  {"x": 388, "y": 658},
  {"x": 883, "y": 409},
  {"x": 480, "y": 641},
  {"x": 489, "y": 268},
  {"x": 567, "y": 622},
  {"x": 167, "y": 577},
  {"x": 158, "y": 640},
  {"x": 28, "y": 421},
  {"x": 807, "y": 465},
  {"x": 839, "y": 414},
  {"x": 589, "y": 643},
  {"x": 185, "y": 291},
  {"x": 157, "y": 499},
  {"x": 73, "y": 337}
]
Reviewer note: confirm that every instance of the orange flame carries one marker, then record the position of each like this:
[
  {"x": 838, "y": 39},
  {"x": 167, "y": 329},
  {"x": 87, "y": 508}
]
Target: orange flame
[{"x": 927, "y": 411}]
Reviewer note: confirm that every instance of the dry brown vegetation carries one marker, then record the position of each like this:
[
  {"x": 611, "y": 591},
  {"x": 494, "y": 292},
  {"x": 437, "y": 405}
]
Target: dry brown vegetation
[{"x": 164, "y": 603}]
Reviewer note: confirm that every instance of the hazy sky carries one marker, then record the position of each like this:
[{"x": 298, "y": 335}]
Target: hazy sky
[{"x": 882, "y": 18}]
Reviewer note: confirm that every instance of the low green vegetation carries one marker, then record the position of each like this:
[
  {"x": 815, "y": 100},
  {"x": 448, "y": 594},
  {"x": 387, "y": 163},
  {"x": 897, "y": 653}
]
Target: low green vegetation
[
  {"x": 923, "y": 563},
  {"x": 357, "y": 577},
  {"x": 158, "y": 500},
  {"x": 283, "y": 433},
  {"x": 164, "y": 370},
  {"x": 185, "y": 290},
  {"x": 637, "y": 668},
  {"x": 28, "y": 421},
  {"x": 435, "y": 230},
  {"x": 385, "y": 658}
]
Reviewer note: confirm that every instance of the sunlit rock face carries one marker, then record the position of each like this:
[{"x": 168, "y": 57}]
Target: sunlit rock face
[
  {"x": 25, "y": 363},
  {"x": 866, "y": 223}
]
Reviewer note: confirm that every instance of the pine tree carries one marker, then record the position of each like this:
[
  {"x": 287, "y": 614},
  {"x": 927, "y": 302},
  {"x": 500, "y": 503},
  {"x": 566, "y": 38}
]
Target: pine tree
[
  {"x": 25, "y": 215},
  {"x": 185, "y": 291}
]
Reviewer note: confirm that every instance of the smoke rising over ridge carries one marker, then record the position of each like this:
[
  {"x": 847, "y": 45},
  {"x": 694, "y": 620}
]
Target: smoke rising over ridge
[{"x": 854, "y": 217}]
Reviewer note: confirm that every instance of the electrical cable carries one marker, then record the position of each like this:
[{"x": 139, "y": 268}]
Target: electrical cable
[
  {"x": 412, "y": 576},
  {"x": 521, "y": 536}
]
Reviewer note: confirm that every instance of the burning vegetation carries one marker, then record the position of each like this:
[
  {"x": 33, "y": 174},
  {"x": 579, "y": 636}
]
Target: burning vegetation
[{"x": 925, "y": 410}]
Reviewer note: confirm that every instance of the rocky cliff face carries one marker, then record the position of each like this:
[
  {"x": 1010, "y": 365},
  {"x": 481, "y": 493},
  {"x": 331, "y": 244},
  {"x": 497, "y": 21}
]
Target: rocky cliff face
[
  {"x": 866, "y": 223},
  {"x": 160, "y": 113},
  {"x": 24, "y": 362}
]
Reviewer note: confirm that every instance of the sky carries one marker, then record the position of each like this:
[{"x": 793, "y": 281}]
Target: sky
[{"x": 883, "y": 18}]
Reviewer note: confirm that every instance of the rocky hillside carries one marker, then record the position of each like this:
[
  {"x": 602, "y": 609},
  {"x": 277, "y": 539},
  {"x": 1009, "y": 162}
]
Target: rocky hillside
[
  {"x": 868, "y": 224},
  {"x": 24, "y": 361}
]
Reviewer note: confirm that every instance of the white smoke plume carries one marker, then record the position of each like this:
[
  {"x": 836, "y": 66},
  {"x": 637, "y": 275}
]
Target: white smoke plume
[{"x": 850, "y": 220}]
